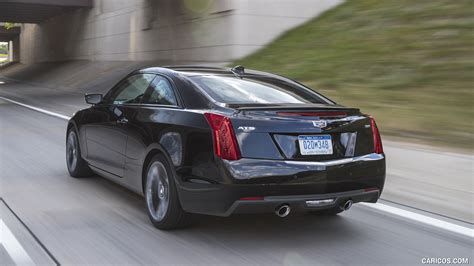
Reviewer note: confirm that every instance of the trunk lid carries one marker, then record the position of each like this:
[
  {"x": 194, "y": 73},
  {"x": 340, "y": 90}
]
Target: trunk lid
[{"x": 277, "y": 132}]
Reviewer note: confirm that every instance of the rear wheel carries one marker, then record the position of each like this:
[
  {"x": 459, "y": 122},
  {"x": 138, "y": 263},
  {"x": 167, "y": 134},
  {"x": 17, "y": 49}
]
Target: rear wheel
[
  {"x": 162, "y": 202},
  {"x": 76, "y": 166}
]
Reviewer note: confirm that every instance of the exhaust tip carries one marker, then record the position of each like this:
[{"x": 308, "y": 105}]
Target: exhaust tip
[
  {"x": 347, "y": 205},
  {"x": 283, "y": 210}
]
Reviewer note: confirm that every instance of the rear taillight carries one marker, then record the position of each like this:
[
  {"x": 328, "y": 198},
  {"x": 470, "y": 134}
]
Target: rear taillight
[
  {"x": 225, "y": 143},
  {"x": 376, "y": 136}
]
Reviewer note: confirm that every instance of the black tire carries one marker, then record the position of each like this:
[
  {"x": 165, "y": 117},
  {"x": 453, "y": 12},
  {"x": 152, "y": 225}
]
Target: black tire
[
  {"x": 327, "y": 212},
  {"x": 76, "y": 166},
  {"x": 160, "y": 191}
]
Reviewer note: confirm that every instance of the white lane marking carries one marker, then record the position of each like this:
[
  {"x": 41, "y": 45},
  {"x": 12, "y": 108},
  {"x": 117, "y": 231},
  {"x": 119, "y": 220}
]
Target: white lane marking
[
  {"x": 14, "y": 249},
  {"x": 65, "y": 117},
  {"x": 466, "y": 231},
  {"x": 382, "y": 207}
]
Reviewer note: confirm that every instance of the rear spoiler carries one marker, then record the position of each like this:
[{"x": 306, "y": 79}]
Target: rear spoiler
[{"x": 286, "y": 107}]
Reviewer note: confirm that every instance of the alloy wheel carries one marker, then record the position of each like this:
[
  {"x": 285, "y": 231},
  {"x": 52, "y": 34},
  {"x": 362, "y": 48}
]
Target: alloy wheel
[
  {"x": 71, "y": 151},
  {"x": 157, "y": 191}
]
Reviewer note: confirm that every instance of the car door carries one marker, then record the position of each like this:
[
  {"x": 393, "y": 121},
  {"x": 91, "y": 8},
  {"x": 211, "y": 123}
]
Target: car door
[
  {"x": 106, "y": 134},
  {"x": 153, "y": 122}
]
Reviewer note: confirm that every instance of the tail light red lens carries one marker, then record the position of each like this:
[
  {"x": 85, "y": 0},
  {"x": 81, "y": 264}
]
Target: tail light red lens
[
  {"x": 225, "y": 143},
  {"x": 252, "y": 198},
  {"x": 370, "y": 189},
  {"x": 378, "y": 148}
]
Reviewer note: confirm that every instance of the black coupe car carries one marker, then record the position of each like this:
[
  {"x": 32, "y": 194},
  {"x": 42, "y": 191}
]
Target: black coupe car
[{"x": 216, "y": 141}]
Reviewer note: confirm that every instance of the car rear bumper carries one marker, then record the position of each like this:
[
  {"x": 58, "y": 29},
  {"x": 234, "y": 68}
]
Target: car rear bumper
[
  {"x": 303, "y": 202},
  {"x": 252, "y": 169},
  {"x": 274, "y": 183}
]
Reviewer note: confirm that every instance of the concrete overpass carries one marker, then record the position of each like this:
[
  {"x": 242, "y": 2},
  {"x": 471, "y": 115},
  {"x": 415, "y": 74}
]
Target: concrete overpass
[
  {"x": 31, "y": 11},
  {"x": 9, "y": 34},
  {"x": 211, "y": 31},
  {"x": 36, "y": 11}
]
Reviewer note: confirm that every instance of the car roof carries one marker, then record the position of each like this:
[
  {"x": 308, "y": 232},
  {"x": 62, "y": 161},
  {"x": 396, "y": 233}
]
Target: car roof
[
  {"x": 182, "y": 72},
  {"x": 198, "y": 70}
]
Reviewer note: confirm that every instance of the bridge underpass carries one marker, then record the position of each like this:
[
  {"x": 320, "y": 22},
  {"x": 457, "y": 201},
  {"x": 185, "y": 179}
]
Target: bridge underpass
[
  {"x": 31, "y": 11},
  {"x": 7, "y": 35},
  {"x": 12, "y": 37},
  {"x": 36, "y": 11}
]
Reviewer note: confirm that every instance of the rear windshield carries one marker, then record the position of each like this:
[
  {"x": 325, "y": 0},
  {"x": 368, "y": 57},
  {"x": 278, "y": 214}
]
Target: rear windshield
[{"x": 233, "y": 90}]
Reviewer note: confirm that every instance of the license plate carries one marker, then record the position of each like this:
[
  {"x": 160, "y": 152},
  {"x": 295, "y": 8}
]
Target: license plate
[{"x": 315, "y": 145}]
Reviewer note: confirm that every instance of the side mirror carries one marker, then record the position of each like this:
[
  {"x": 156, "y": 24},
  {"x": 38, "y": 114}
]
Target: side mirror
[{"x": 93, "y": 98}]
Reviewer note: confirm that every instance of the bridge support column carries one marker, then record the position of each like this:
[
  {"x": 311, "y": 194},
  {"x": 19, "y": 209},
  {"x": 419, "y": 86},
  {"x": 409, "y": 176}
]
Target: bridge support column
[{"x": 14, "y": 50}]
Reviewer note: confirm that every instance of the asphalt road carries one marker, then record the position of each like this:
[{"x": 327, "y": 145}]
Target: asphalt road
[{"x": 93, "y": 221}]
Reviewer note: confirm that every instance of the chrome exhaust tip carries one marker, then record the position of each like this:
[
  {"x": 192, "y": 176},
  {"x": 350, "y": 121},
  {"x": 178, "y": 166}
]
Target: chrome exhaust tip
[
  {"x": 283, "y": 210},
  {"x": 347, "y": 205}
]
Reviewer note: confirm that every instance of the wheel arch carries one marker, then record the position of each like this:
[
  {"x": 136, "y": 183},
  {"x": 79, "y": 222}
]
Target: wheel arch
[
  {"x": 71, "y": 124},
  {"x": 80, "y": 138}
]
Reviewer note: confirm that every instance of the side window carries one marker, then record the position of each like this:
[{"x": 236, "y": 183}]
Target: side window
[
  {"x": 161, "y": 92},
  {"x": 132, "y": 89}
]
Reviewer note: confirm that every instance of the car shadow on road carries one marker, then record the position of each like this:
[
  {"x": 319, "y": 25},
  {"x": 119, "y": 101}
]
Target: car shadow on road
[{"x": 245, "y": 230}]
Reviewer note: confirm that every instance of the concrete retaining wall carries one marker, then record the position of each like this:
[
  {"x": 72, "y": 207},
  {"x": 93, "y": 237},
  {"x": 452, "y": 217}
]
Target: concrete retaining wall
[{"x": 170, "y": 30}]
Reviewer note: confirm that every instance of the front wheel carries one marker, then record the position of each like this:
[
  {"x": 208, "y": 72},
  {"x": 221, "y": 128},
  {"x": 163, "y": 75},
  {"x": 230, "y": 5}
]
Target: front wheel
[
  {"x": 162, "y": 202},
  {"x": 76, "y": 166}
]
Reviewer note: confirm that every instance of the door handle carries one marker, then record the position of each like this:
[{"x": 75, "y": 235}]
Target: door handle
[{"x": 122, "y": 121}]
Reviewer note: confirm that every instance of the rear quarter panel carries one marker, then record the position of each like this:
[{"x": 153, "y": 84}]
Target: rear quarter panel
[{"x": 182, "y": 135}]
